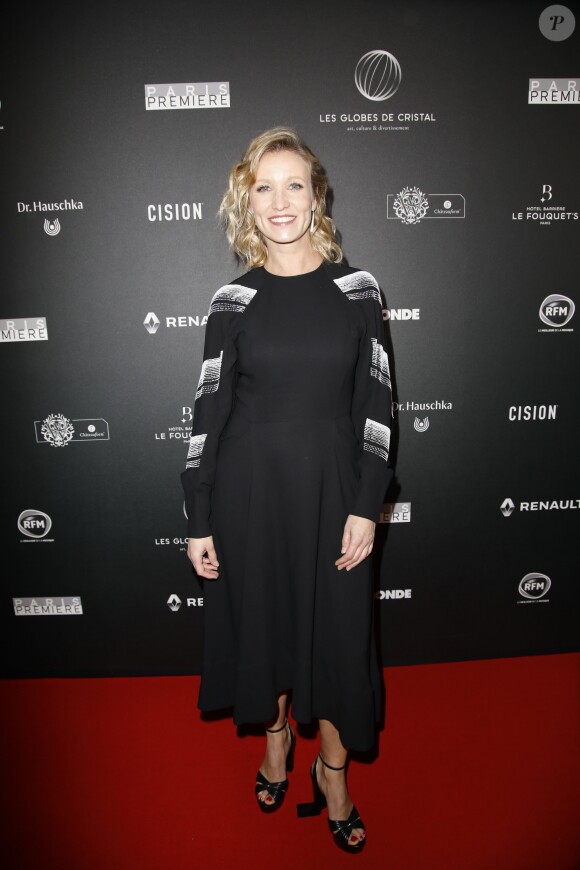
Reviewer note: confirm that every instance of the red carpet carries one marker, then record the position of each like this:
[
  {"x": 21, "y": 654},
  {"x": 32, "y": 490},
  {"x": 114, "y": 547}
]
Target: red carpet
[{"x": 478, "y": 769}]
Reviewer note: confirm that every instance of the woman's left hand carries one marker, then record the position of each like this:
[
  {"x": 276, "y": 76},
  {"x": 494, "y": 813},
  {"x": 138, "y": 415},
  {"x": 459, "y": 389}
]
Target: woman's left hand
[{"x": 357, "y": 541}]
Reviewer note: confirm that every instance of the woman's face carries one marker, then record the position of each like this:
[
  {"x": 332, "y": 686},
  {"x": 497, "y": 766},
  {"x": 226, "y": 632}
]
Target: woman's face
[{"x": 281, "y": 197}]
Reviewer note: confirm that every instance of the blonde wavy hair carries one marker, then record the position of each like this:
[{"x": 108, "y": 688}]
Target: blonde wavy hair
[{"x": 244, "y": 237}]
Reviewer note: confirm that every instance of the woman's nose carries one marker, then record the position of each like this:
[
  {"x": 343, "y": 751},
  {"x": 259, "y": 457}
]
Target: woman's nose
[{"x": 280, "y": 199}]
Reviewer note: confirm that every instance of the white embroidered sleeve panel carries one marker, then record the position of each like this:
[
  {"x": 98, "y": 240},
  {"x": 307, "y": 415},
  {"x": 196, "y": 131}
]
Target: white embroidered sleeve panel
[
  {"x": 372, "y": 397},
  {"x": 212, "y": 405}
]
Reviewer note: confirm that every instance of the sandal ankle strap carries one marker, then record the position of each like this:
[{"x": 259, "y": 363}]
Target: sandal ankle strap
[
  {"x": 330, "y": 765},
  {"x": 275, "y": 730}
]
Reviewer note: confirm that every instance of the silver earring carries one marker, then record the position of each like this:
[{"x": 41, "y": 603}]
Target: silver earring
[{"x": 312, "y": 222}]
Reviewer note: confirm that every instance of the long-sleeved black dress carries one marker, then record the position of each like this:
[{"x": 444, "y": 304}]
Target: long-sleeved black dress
[{"x": 290, "y": 435}]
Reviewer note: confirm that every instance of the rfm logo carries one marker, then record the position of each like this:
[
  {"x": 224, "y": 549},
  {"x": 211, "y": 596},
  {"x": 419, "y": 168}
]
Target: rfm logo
[
  {"x": 534, "y": 585},
  {"x": 34, "y": 524}
]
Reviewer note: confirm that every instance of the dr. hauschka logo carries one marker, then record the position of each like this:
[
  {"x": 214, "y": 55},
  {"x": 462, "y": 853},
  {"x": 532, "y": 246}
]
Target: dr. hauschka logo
[
  {"x": 438, "y": 405},
  {"x": 401, "y": 314},
  {"x": 411, "y": 205},
  {"x": 395, "y": 512},
  {"x": 51, "y": 225},
  {"x": 567, "y": 504},
  {"x": 547, "y": 92},
  {"x": 533, "y": 587},
  {"x": 378, "y": 75},
  {"x": 421, "y": 425},
  {"x": 557, "y": 23},
  {"x": 556, "y": 311},
  {"x": 34, "y": 524},
  {"x": 175, "y": 211},
  {"x": 58, "y": 431},
  {"x": 37, "y": 205},
  {"x": 507, "y": 506},
  {"x": 547, "y": 213},
  {"x": 178, "y": 432},
  {"x": 23, "y": 329},
  {"x": 70, "y": 605},
  {"x": 152, "y": 322},
  {"x": 174, "y": 602},
  {"x": 188, "y": 95},
  {"x": 532, "y": 413},
  {"x": 52, "y": 228}
]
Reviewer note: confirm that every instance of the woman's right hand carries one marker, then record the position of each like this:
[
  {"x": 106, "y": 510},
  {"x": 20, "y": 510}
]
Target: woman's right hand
[{"x": 205, "y": 565}]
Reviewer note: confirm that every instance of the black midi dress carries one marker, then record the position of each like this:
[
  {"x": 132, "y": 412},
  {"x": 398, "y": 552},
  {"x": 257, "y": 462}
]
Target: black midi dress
[{"x": 290, "y": 434}]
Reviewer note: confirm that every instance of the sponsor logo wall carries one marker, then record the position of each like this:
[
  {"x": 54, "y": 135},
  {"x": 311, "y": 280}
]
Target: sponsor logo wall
[{"x": 465, "y": 212}]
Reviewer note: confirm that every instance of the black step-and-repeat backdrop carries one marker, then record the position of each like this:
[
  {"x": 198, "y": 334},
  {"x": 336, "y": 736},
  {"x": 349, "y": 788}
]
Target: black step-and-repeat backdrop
[{"x": 449, "y": 132}]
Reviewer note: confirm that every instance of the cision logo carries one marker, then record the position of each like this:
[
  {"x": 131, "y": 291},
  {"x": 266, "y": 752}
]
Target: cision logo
[
  {"x": 58, "y": 431},
  {"x": 40, "y": 606},
  {"x": 544, "y": 212},
  {"x": 187, "y": 95},
  {"x": 175, "y": 211},
  {"x": 377, "y": 78},
  {"x": 395, "y": 512},
  {"x": 532, "y": 413},
  {"x": 533, "y": 588},
  {"x": 507, "y": 506},
  {"x": 549, "y": 92},
  {"x": 23, "y": 329},
  {"x": 411, "y": 205},
  {"x": 152, "y": 322},
  {"x": 556, "y": 311},
  {"x": 35, "y": 526}
]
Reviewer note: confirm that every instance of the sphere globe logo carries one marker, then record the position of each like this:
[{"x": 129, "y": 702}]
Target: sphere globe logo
[{"x": 377, "y": 75}]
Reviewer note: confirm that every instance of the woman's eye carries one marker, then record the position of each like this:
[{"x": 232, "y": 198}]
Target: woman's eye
[
  {"x": 296, "y": 185},
  {"x": 261, "y": 188}
]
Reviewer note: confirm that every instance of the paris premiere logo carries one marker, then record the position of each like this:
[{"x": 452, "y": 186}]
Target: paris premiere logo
[{"x": 377, "y": 75}]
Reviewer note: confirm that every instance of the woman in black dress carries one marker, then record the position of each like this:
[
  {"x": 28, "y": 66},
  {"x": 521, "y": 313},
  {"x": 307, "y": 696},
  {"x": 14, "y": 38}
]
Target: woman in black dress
[{"x": 285, "y": 477}]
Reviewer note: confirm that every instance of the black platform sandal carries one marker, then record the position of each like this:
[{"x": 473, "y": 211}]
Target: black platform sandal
[
  {"x": 340, "y": 829},
  {"x": 276, "y": 790}
]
